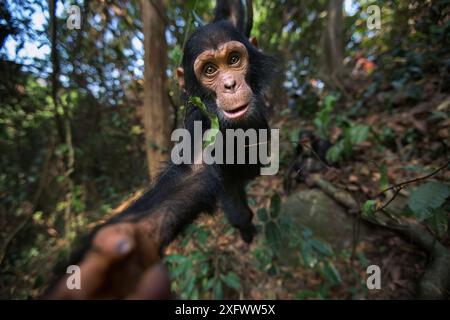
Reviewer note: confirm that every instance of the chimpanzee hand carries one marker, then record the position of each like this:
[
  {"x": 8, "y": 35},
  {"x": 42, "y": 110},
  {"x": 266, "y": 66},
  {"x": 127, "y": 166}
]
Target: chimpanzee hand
[{"x": 122, "y": 263}]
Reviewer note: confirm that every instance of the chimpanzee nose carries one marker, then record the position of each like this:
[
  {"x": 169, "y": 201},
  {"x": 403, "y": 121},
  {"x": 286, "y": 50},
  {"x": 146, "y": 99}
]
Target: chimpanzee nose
[{"x": 229, "y": 83}]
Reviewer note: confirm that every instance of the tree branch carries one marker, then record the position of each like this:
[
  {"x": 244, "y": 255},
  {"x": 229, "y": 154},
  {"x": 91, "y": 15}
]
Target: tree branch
[{"x": 403, "y": 184}]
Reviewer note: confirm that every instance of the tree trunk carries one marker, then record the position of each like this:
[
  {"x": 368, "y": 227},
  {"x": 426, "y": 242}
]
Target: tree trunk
[
  {"x": 334, "y": 43},
  {"x": 335, "y": 34},
  {"x": 156, "y": 105}
]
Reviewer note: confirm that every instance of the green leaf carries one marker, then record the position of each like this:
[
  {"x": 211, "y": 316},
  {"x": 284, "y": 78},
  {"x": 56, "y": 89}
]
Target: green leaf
[
  {"x": 209, "y": 284},
  {"x": 190, "y": 285},
  {"x": 211, "y": 134},
  {"x": 307, "y": 233},
  {"x": 218, "y": 290},
  {"x": 294, "y": 135},
  {"x": 427, "y": 197},
  {"x": 384, "y": 181},
  {"x": 262, "y": 214},
  {"x": 368, "y": 209},
  {"x": 195, "y": 295},
  {"x": 329, "y": 101},
  {"x": 176, "y": 258},
  {"x": 362, "y": 259},
  {"x": 334, "y": 154},
  {"x": 275, "y": 204},
  {"x": 202, "y": 236},
  {"x": 331, "y": 274},
  {"x": 231, "y": 280},
  {"x": 273, "y": 234},
  {"x": 308, "y": 256},
  {"x": 199, "y": 103},
  {"x": 210, "y": 137},
  {"x": 305, "y": 294},
  {"x": 358, "y": 134},
  {"x": 321, "y": 247},
  {"x": 438, "y": 221},
  {"x": 176, "y": 272},
  {"x": 204, "y": 269},
  {"x": 323, "y": 116},
  {"x": 176, "y": 55}
]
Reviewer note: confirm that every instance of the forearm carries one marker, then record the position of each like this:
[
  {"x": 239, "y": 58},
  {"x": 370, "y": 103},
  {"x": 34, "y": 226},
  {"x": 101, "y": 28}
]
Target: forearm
[{"x": 179, "y": 195}]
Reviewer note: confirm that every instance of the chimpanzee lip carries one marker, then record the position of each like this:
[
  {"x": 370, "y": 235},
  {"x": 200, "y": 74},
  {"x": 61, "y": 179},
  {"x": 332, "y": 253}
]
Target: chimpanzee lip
[{"x": 237, "y": 112}]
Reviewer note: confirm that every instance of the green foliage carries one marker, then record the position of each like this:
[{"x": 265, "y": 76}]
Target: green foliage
[
  {"x": 281, "y": 236},
  {"x": 271, "y": 226},
  {"x": 324, "y": 116},
  {"x": 176, "y": 54},
  {"x": 204, "y": 274},
  {"x": 272, "y": 233},
  {"x": 368, "y": 209},
  {"x": 427, "y": 199},
  {"x": 439, "y": 220},
  {"x": 384, "y": 180},
  {"x": 428, "y": 203},
  {"x": 330, "y": 273},
  {"x": 266, "y": 259},
  {"x": 262, "y": 215},
  {"x": 214, "y": 130},
  {"x": 275, "y": 206},
  {"x": 352, "y": 136},
  {"x": 231, "y": 280}
]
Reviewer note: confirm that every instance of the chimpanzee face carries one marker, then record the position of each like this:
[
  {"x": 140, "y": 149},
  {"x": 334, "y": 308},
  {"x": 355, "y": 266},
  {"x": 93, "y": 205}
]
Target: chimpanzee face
[
  {"x": 223, "y": 70},
  {"x": 227, "y": 71}
]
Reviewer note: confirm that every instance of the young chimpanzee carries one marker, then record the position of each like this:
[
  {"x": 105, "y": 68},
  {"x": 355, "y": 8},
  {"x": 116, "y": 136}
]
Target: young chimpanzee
[{"x": 228, "y": 73}]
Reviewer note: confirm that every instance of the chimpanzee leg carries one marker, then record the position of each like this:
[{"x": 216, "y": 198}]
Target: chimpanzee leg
[{"x": 234, "y": 204}]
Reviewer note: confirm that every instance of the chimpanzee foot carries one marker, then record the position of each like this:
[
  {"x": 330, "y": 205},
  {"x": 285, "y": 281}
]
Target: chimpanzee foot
[{"x": 247, "y": 234}]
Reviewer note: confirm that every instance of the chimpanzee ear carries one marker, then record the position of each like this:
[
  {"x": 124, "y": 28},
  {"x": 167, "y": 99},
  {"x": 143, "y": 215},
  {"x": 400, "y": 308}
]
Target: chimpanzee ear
[
  {"x": 180, "y": 77},
  {"x": 254, "y": 42}
]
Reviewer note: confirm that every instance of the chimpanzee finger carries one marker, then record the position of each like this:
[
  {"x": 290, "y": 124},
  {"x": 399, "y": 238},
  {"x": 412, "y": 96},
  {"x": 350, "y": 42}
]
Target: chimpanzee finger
[
  {"x": 115, "y": 241},
  {"x": 110, "y": 244}
]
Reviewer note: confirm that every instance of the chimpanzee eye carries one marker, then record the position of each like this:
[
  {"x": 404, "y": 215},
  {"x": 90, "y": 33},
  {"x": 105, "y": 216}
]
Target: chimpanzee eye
[
  {"x": 234, "y": 58},
  {"x": 210, "y": 69}
]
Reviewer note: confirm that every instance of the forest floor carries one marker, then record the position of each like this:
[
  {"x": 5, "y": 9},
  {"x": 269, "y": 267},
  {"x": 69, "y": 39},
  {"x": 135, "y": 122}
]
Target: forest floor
[{"x": 403, "y": 262}]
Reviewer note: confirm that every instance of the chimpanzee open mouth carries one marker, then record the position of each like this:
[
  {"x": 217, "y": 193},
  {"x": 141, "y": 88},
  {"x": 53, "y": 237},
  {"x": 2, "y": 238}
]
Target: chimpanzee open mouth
[{"x": 237, "y": 113}]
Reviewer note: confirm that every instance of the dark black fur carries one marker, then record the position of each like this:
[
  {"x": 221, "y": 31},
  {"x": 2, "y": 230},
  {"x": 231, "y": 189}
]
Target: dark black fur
[
  {"x": 229, "y": 9},
  {"x": 233, "y": 198}
]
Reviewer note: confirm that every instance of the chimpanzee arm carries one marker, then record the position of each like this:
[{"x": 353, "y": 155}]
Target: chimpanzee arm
[
  {"x": 119, "y": 258},
  {"x": 179, "y": 195},
  {"x": 239, "y": 214}
]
